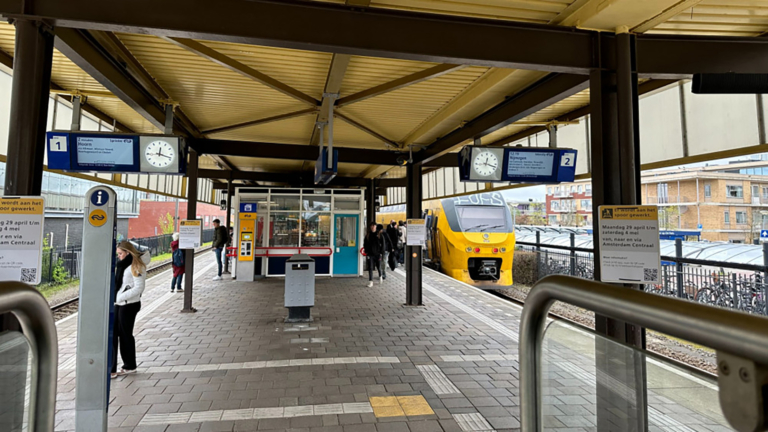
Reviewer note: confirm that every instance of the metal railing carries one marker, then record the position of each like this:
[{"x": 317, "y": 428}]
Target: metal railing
[
  {"x": 741, "y": 341},
  {"x": 34, "y": 314}
]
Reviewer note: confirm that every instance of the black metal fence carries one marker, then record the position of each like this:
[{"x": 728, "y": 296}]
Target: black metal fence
[
  {"x": 718, "y": 283},
  {"x": 63, "y": 264}
]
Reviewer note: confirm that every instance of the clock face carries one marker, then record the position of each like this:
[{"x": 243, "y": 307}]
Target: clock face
[
  {"x": 485, "y": 163},
  {"x": 159, "y": 154}
]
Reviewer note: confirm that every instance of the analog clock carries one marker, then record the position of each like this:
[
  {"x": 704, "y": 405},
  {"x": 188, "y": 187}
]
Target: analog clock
[
  {"x": 485, "y": 163},
  {"x": 160, "y": 154}
]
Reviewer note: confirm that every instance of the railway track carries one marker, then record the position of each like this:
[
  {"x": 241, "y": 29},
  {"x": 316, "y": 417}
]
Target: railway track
[{"x": 66, "y": 308}]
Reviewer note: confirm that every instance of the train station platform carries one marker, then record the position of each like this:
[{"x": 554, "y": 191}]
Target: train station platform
[{"x": 366, "y": 363}]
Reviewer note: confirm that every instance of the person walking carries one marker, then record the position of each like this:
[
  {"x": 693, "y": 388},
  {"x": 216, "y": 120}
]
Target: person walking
[
  {"x": 220, "y": 240},
  {"x": 393, "y": 234},
  {"x": 130, "y": 277},
  {"x": 401, "y": 241},
  {"x": 373, "y": 249},
  {"x": 386, "y": 250},
  {"x": 177, "y": 263}
]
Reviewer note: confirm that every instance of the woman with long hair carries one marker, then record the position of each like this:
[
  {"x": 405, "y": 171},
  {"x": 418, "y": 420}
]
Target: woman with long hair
[
  {"x": 373, "y": 249},
  {"x": 130, "y": 277}
]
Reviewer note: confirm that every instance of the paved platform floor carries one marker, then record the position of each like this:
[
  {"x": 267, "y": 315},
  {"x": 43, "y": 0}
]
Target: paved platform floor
[{"x": 365, "y": 364}]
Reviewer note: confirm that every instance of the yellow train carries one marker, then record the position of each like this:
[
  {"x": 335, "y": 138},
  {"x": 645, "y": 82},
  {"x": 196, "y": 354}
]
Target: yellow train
[{"x": 470, "y": 238}]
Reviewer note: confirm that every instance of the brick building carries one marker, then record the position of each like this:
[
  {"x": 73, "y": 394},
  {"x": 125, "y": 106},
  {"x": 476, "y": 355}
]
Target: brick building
[
  {"x": 729, "y": 202},
  {"x": 147, "y": 224}
]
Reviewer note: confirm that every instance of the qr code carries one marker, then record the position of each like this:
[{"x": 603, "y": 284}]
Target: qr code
[
  {"x": 650, "y": 274},
  {"x": 28, "y": 274}
]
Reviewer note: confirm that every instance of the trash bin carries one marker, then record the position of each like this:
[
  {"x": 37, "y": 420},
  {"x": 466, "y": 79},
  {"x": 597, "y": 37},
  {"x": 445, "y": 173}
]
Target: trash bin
[{"x": 299, "y": 287}]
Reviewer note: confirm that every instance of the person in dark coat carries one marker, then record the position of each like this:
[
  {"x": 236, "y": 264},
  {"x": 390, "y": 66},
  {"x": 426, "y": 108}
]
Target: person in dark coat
[
  {"x": 388, "y": 250},
  {"x": 178, "y": 271},
  {"x": 373, "y": 251},
  {"x": 394, "y": 234}
]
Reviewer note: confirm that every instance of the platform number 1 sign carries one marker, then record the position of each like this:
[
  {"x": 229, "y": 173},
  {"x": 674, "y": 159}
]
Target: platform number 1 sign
[{"x": 58, "y": 144}]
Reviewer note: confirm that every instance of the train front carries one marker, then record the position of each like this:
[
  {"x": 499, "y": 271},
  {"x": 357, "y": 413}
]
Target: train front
[{"x": 481, "y": 239}]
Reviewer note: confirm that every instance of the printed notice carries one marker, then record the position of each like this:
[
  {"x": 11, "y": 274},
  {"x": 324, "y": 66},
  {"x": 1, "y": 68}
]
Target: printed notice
[
  {"x": 629, "y": 244},
  {"x": 416, "y": 232},
  {"x": 530, "y": 164},
  {"x": 21, "y": 239},
  {"x": 104, "y": 152},
  {"x": 190, "y": 234}
]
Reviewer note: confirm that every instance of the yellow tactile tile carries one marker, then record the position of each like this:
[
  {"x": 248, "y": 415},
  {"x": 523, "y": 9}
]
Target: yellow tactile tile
[
  {"x": 415, "y": 405},
  {"x": 384, "y": 401},
  {"x": 388, "y": 411}
]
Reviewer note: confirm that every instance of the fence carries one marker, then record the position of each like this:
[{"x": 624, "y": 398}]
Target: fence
[
  {"x": 62, "y": 264},
  {"x": 718, "y": 283}
]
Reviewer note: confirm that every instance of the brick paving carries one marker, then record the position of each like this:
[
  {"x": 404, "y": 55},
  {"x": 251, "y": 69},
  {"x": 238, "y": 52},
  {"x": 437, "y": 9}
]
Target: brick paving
[{"x": 236, "y": 366}]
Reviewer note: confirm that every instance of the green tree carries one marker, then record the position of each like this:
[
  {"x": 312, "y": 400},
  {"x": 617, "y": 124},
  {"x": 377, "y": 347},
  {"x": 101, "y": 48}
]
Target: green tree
[
  {"x": 669, "y": 217},
  {"x": 166, "y": 224}
]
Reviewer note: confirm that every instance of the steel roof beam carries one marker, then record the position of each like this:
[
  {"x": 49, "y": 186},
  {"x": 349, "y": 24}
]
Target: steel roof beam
[
  {"x": 344, "y": 29},
  {"x": 272, "y": 177},
  {"x": 414, "y": 78},
  {"x": 241, "y": 68},
  {"x": 336, "y": 72},
  {"x": 261, "y": 121},
  {"x": 367, "y": 130},
  {"x": 543, "y": 93},
  {"x": 291, "y": 152}
]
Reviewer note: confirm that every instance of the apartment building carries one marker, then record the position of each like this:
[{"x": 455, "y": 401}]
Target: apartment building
[{"x": 726, "y": 202}]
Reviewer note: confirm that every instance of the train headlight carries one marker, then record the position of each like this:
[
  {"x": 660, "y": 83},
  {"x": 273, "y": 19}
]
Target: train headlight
[
  {"x": 469, "y": 248},
  {"x": 503, "y": 250}
]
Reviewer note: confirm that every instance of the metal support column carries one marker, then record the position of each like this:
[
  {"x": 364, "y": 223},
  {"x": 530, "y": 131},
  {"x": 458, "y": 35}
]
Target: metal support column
[
  {"x": 616, "y": 181},
  {"x": 230, "y": 192},
  {"x": 29, "y": 108},
  {"x": 189, "y": 260},
  {"x": 77, "y": 113},
  {"x": 413, "y": 253},
  {"x": 29, "y": 116},
  {"x": 370, "y": 205}
]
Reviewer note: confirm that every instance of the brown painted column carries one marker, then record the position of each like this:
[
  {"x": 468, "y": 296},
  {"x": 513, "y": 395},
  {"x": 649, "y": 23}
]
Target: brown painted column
[
  {"x": 189, "y": 260},
  {"x": 413, "y": 254}
]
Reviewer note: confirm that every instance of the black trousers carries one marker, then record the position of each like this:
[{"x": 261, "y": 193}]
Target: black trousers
[{"x": 125, "y": 318}]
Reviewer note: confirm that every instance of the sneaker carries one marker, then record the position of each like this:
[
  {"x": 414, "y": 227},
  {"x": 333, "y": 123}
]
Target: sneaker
[
  {"x": 113, "y": 375},
  {"x": 381, "y": 280},
  {"x": 126, "y": 371},
  {"x": 370, "y": 284},
  {"x": 217, "y": 278},
  {"x": 179, "y": 290},
  {"x": 172, "y": 291}
]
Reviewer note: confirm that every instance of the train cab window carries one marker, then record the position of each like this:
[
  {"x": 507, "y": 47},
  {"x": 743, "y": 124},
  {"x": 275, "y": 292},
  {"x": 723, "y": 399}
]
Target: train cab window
[{"x": 482, "y": 219}]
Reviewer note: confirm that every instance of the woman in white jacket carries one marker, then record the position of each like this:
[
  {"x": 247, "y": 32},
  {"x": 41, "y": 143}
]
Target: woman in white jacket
[{"x": 130, "y": 276}]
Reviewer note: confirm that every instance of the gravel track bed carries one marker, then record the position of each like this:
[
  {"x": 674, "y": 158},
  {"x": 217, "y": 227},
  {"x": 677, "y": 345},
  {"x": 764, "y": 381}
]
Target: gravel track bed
[{"x": 690, "y": 354}]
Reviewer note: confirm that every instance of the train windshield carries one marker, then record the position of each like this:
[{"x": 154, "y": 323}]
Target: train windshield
[{"x": 482, "y": 219}]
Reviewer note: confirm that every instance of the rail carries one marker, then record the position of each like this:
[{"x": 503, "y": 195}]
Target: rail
[
  {"x": 741, "y": 341},
  {"x": 34, "y": 315}
]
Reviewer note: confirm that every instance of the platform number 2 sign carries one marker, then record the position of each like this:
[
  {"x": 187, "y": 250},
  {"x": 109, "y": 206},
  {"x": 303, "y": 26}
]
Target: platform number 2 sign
[
  {"x": 568, "y": 160},
  {"x": 58, "y": 144}
]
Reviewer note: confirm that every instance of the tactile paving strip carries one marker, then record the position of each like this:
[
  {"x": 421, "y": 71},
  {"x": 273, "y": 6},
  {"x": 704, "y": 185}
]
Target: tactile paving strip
[{"x": 436, "y": 379}]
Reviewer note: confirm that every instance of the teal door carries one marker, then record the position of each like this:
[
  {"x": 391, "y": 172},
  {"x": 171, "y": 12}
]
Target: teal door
[{"x": 347, "y": 245}]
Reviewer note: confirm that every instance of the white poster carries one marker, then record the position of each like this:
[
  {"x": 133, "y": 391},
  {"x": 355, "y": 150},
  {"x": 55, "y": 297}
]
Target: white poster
[
  {"x": 530, "y": 164},
  {"x": 190, "y": 234},
  {"x": 629, "y": 244},
  {"x": 21, "y": 239},
  {"x": 416, "y": 232},
  {"x": 104, "y": 151}
]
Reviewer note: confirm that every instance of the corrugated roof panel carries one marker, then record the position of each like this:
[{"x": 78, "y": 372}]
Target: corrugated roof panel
[
  {"x": 719, "y": 17},
  {"x": 346, "y": 135},
  {"x": 296, "y": 130},
  {"x": 368, "y": 72},
  {"x": 117, "y": 109},
  {"x": 395, "y": 114},
  {"x": 210, "y": 94}
]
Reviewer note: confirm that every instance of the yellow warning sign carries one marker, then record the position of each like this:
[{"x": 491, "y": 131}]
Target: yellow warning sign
[
  {"x": 97, "y": 217},
  {"x": 629, "y": 212},
  {"x": 190, "y": 223}
]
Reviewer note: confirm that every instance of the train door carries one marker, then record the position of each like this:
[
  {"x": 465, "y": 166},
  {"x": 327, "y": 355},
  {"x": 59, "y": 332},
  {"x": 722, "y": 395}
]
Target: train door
[{"x": 346, "y": 244}]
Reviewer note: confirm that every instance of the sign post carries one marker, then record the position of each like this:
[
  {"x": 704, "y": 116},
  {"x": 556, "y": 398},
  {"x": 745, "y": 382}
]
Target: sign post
[
  {"x": 21, "y": 239},
  {"x": 97, "y": 305},
  {"x": 629, "y": 244},
  {"x": 190, "y": 234},
  {"x": 416, "y": 232}
]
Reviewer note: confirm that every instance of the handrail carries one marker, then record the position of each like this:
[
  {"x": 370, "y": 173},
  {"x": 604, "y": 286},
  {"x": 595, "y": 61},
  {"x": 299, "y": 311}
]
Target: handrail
[
  {"x": 730, "y": 333},
  {"x": 34, "y": 315}
]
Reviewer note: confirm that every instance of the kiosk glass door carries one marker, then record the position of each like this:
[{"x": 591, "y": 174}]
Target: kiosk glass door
[{"x": 346, "y": 245}]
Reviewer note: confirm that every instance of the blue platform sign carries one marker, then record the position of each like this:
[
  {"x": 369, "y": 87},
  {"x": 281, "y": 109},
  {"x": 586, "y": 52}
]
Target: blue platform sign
[
  {"x": 247, "y": 207},
  {"x": 113, "y": 152},
  {"x": 323, "y": 173},
  {"x": 764, "y": 234},
  {"x": 517, "y": 164}
]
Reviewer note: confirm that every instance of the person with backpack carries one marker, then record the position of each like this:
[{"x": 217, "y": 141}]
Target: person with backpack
[
  {"x": 373, "y": 251},
  {"x": 177, "y": 262},
  {"x": 220, "y": 240}
]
